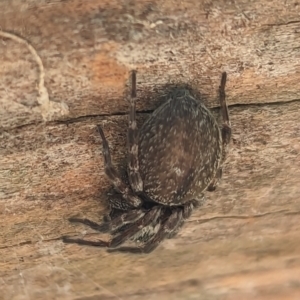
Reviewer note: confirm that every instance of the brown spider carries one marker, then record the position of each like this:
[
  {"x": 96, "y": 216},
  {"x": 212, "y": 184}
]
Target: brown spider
[{"x": 176, "y": 155}]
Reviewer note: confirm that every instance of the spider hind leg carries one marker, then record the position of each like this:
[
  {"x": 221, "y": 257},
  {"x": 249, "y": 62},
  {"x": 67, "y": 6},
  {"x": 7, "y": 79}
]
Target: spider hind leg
[
  {"x": 225, "y": 132},
  {"x": 134, "y": 176}
]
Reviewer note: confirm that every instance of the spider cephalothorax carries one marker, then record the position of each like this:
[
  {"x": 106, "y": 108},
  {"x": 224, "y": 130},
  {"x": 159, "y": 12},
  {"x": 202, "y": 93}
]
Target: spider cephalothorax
[{"x": 176, "y": 155}]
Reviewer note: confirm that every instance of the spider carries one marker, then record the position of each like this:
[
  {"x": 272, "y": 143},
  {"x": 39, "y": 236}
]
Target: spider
[{"x": 177, "y": 154}]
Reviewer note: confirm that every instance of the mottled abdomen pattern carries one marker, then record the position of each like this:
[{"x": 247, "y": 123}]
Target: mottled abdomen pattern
[{"x": 180, "y": 149}]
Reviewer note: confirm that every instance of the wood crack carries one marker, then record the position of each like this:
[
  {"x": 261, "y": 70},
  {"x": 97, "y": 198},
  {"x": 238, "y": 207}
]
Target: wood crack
[
  {"x": 243, "y": 217},
  {"x": 117, "y": 114}
]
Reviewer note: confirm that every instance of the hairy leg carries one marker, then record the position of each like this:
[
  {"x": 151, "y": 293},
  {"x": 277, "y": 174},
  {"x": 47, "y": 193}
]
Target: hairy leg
[
  {"x": 138, "y": 218},
  {"x": 150, "y": 217},
  {"x": 165, "y": 229},
  {"x": 225, "y": 131},
  {"x": 126, "y": 218},
  {"x": 168, "y": 228},
  {"x": 226, "y": 128},
  {"x": 132, "y": 142},
  {"x": 68, "y": 240},
  {"x": 103, "y": 227},
  {"x": 131, "y": 199}
]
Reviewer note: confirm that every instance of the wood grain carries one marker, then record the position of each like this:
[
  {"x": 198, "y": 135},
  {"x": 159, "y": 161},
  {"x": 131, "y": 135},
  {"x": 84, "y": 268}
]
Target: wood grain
[{"x": 244, "y": 242}]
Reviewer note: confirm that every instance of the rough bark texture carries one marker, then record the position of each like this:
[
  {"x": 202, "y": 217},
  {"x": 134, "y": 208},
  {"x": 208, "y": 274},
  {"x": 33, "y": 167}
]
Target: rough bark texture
[{"x": 244, "y": 243}]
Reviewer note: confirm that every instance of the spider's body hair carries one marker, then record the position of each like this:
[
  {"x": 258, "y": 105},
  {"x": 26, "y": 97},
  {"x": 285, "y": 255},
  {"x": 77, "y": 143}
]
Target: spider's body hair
[{"x": 180, "y": 150}]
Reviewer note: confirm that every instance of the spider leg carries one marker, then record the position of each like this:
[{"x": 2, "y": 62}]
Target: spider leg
[
  {"x": 68, "y": 240},
  {"x": 185, "y": 213},
  {"x": 162, "y": 227},
  {"x": 112, "y": 174},
  {"x": 104, "y": 227},
  {"x": 167, "y": 229},
  {"x": 213, "y": 184},
  {"x": 132, "y": 142},
  {"x": 119, "y": 202},
  {"x": 115, "y": 224},
  {"x": 126, "y": 218},
  {"x": 189, "y": 207},
  {"x": 173, "y": 222},
  {"x": 225, "y": 131},
  {"x": 150, "y": 217}
]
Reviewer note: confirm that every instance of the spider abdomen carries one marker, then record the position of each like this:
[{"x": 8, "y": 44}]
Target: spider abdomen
[{"x": 180, "y": 148}]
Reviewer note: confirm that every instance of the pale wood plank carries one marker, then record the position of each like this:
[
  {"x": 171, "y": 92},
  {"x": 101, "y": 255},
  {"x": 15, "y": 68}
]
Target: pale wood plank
[{"x": 244, "y": 242}]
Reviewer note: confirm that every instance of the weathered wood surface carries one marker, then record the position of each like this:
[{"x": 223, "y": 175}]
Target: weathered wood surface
[{"x": 244, "y": 243}]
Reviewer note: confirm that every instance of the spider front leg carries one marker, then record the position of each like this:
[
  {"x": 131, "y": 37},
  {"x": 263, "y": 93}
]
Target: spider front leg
[
  {"x": 136, "y": 218},
  {"x": 132, "y": 142},
  {"x": 167, "y": 229},
  {"x": 68, "y": 240},
  {"x": 130, "y": 199},
  {"x": 103, "y": 227},
  {"x": 225, "y": 132},
  {"x": 149, "y": 218}
]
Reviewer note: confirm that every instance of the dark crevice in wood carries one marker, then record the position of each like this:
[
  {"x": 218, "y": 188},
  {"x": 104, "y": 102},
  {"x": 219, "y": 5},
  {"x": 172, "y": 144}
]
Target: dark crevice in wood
[
  {"x": 283, "y": 24},
  {"x": 116, "y": 114},
  {"x": 278, "y": 103},
  {"x": 284, "y": 211}
]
